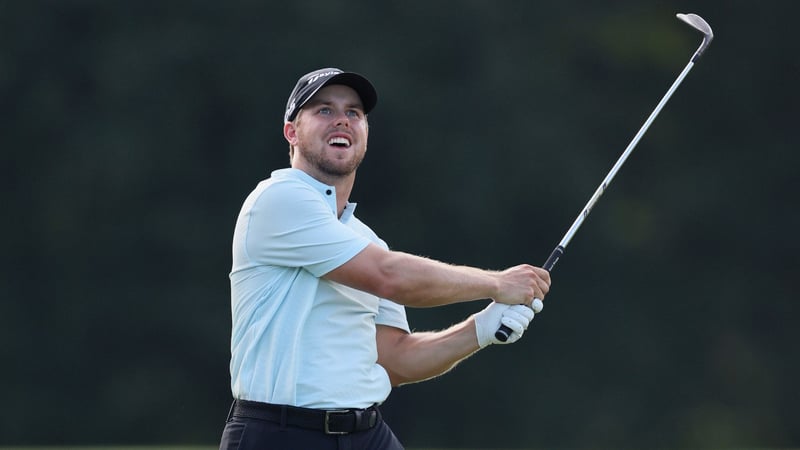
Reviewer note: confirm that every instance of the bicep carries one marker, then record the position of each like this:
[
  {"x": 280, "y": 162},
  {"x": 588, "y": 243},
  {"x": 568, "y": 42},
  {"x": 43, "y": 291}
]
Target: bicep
[
  {"x": 363, "y": 271},
  {"x": 390, "y": 343}
]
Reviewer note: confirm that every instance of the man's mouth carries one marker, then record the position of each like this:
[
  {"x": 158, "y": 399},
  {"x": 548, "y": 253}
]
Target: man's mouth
[{"x": 339, "y": 142}]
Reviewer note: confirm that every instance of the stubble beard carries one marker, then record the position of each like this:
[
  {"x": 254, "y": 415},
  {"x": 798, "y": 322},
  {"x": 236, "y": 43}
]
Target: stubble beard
[{"x": 329, "y": 165}]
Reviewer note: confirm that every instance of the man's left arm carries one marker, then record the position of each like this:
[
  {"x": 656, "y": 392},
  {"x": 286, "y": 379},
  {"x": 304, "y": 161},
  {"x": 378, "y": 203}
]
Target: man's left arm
[{"x": 412, "y": 357}]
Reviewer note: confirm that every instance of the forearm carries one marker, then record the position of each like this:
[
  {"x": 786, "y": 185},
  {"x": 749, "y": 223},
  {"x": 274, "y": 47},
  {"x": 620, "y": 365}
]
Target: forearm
[
  {"x": 421, "y": 282},
  {"x": 409, "y": 358}
]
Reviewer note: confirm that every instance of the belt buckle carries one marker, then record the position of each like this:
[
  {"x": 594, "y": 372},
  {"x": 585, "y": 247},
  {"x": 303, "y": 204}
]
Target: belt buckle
[{"x": 327, "y": 418}]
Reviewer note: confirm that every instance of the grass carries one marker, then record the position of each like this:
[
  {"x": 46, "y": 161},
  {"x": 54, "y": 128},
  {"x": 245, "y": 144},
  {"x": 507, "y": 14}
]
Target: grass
[
  {"x": 146, "y": 447},
  {"x": 206, "y": 447},
  {"x": 115, "y": 447}
]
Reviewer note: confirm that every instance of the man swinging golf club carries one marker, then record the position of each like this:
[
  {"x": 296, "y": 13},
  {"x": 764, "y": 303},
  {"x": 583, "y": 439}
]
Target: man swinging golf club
[{"x": 320, "y": 334}]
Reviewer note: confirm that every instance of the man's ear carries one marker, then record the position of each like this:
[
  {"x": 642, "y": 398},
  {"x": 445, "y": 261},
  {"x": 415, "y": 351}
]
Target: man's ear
[{"x": 290, "y": 133}]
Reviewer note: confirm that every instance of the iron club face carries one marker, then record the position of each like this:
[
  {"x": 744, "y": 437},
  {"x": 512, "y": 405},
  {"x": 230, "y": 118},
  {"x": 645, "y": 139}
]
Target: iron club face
[{"x": 697, "y": 22}]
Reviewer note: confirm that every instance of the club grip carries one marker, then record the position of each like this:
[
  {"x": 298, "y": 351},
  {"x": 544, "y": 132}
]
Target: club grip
[{"x": 503, "y": 333}]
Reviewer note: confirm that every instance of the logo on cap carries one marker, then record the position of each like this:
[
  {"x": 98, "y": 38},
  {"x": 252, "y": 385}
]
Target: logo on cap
[{"x": 323, "y": 74}]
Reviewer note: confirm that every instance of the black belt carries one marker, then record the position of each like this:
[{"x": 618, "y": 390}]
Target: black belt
[{"x": 333, "y": 421}]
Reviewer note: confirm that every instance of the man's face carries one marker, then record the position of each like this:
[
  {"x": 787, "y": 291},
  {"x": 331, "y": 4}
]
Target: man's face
[{"x": 329, "y": 134}]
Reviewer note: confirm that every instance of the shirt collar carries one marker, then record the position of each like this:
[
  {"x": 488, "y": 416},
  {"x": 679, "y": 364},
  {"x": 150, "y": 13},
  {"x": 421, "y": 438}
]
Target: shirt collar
[{"x": 327, "y": 192}]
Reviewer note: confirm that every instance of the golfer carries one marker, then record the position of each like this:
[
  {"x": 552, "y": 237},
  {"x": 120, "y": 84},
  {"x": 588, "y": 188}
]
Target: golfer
[{"x": 319, "y": 333}]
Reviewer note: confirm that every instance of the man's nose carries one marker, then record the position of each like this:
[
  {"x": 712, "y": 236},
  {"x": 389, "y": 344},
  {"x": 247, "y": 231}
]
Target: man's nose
[{"x": 341, "y": 119}]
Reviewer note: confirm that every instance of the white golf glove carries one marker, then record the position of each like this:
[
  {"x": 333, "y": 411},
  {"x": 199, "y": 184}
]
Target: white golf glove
[{"x": 516, "y": 317}]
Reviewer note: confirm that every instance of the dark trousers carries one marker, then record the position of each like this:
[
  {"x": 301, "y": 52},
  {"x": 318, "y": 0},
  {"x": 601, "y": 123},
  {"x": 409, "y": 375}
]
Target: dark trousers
[{"x": 244, "y": 433}]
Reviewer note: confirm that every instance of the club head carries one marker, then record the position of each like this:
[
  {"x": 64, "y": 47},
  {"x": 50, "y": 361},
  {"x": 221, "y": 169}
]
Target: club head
[{"x": 700, "y": 25}]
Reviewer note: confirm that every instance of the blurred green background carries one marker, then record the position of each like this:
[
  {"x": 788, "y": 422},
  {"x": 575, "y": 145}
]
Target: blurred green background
[{"x": 132, "y": 131}]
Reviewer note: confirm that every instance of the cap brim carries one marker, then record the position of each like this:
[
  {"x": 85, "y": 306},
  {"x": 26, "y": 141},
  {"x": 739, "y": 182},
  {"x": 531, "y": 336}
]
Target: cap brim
[
  {"x": 365, "y": 90},
  {"x": 312, "y": 82}
]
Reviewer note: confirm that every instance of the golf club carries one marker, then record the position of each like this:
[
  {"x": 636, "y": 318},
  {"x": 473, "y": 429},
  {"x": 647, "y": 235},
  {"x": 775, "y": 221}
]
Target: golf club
[{"x": 700, "y": 25}]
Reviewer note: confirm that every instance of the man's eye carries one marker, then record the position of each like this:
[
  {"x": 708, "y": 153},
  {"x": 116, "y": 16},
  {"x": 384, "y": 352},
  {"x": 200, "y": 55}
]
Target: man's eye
[
  {"x": 324, "y": 111},
  {"x": 354, "y": 114}
]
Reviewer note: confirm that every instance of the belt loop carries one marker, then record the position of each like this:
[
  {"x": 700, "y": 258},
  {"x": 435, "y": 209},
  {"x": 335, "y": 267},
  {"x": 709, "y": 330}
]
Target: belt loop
[
  {"x": 284, "y": 410},
  {"x": 374, "y": 416}
]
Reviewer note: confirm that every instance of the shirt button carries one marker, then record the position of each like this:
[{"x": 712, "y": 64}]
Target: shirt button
[{"x": 328, "y": 192}]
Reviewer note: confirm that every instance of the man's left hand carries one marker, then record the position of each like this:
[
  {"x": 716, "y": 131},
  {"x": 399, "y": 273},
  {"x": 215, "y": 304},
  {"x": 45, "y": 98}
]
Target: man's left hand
[{"x": 516, "y": 317}]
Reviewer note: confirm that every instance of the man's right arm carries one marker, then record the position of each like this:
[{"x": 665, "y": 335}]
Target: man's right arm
[{"x": 422, "y": 282}]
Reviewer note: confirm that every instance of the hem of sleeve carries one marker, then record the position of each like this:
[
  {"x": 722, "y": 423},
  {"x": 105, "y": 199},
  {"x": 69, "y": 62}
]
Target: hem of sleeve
[{"x": 320, "y": 271}]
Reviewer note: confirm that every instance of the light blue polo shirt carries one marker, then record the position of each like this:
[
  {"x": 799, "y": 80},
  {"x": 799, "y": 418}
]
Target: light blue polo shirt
[{"x": 298, "y": 339}]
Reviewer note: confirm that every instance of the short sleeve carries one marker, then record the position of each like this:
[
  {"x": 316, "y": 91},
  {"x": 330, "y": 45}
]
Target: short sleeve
[
  {"x": 290, "y": 224},
  {"x": 392, "y": 314}
]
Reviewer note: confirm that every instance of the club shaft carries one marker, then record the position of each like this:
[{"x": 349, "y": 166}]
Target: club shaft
[
  {"x": 628, "y": 150},
  {"x": 504, "y": 332}
]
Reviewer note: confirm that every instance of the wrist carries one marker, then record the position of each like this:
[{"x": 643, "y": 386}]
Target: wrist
[
  {"x": 494, "y": 285},
  {"x": 486, "y": 323},
  {"x": 472, "y": 329}
]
